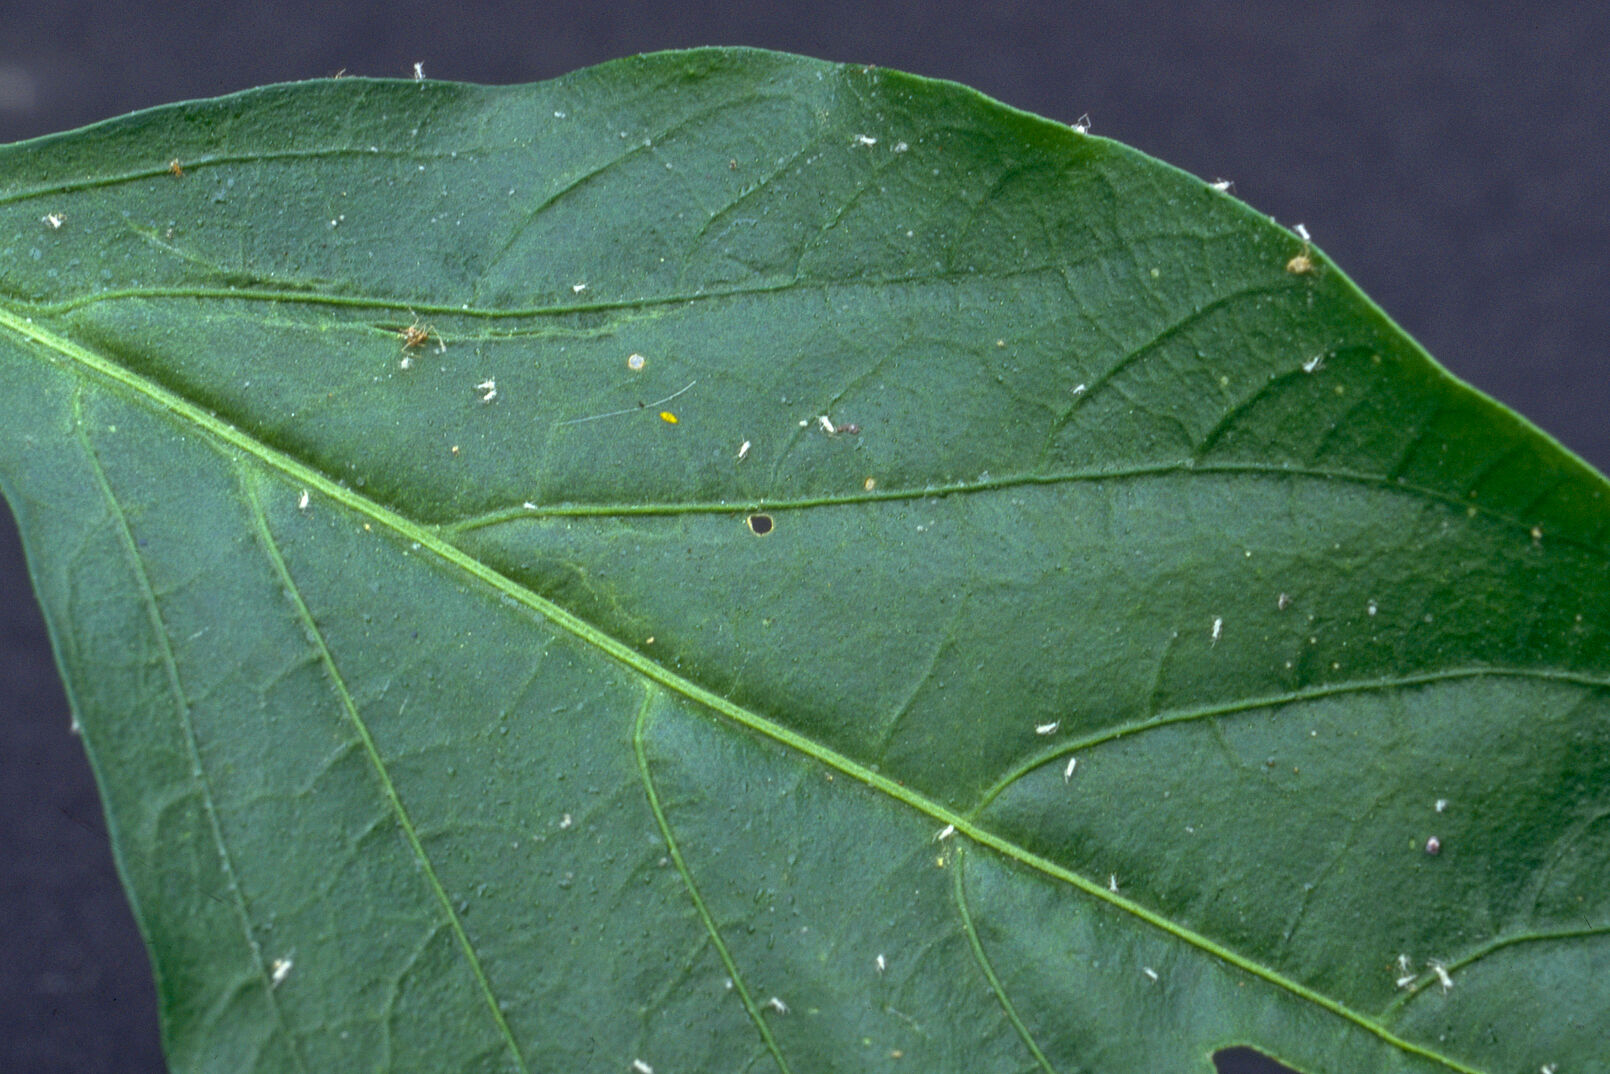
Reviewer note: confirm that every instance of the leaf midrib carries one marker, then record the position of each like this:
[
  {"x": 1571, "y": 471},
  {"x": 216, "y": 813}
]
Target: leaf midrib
[{"x": 407, "y": 529}]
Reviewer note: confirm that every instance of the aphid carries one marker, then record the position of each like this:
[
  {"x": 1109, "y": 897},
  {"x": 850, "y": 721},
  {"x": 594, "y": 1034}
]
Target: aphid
[
  {"x": 869, "y": 484},
  {"x": 1223, "y": 186},
  {"x": 1442, "y": 804},
  {"x": 1283, "y": 602},
  {"x": 174, "y": 168},
  {"x": 863, "y": 139},
  {"x": 280, "y": 970},
  {"x": 1067, "y": 773},
  {"x": 1303, "y": 262},
  {"x": 415, "y": 335},
  {"x": 54, "y": 220},
  {"x": 827, "y": 425},
  {"x": 852, "y": 429},
  {"x": 1433, "y": 846},
  {"x": 565, "y": 821},
  {"x": 302, "y": 501},
  {"x": 1047, "y": 728},
  {"x": 577, "y": 288},
  {"x": 1112, "y": 883},
  {"x": 743, "y": 451},
  {"x": 880, "y": 963},
  {"x": 777, "y": 1005},
  {"x": 1403, "y": 963},
  {"x": 634, "y": 362}
]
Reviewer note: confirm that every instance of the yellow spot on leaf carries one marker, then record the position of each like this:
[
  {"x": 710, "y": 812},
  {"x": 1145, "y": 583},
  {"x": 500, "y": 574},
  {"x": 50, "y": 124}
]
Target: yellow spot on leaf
[{"x": 668, "y": 417}]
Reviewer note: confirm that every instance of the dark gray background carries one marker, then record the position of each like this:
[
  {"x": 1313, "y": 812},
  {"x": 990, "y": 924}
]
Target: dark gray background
[{"x": 1451, "y": 158}]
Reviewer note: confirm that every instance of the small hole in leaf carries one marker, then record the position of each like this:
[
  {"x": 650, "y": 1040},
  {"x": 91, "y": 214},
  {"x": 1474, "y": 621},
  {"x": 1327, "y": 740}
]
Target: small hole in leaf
[
  {"x": 1246, "y": 1061},
  {"x": 759, "y": 525}
]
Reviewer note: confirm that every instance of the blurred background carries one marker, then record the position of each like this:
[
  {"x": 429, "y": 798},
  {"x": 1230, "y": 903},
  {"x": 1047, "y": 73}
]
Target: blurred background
[{"x": 1453, "y": 159}]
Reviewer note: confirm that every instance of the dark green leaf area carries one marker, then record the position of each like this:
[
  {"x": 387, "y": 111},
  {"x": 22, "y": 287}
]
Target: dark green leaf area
[{"x": 725, "y": 561}]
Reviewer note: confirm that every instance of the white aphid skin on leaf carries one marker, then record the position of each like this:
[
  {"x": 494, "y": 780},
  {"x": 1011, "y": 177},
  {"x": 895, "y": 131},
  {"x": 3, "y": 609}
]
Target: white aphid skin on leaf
[
  {"x": 827, "y": 425},
  {"x": 642, "y": 1067},
  {"x": 743, "y": 451},
  {"x": 777, "y": 1005},
  {"x": 1314, "y": 364},
  {"x": 1082, "y": 124},
  {"x": 303, "y": 500},
  {"x": 864, "y": 139},
  {"x": 945, "y": 833},
  {"x": 880, "y": 963},
  {"x": 1442, "y": 974},
  {"x": 1067, "y": 773},
  {"x": 419, "y": 72},
  {"x": 54, "y": 220},
  {"x": 280, "y": 970},
  {"x": 1149, "y": 972},
  {"x": 1047, "y": 728},
  {"x": 1112, "y": 883},
  {"x": 577, "y": 288},
  {"x": 1218, "y": 629},
  {"x": 1442, "y": 804}
]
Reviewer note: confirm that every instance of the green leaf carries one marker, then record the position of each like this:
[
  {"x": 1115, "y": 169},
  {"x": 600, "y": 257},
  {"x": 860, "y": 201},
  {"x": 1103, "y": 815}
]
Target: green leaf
[{"x": 1020, "y": 610}]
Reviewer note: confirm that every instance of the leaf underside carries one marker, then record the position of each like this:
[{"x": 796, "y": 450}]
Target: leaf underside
[{"x": 1009, "y": 615}]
